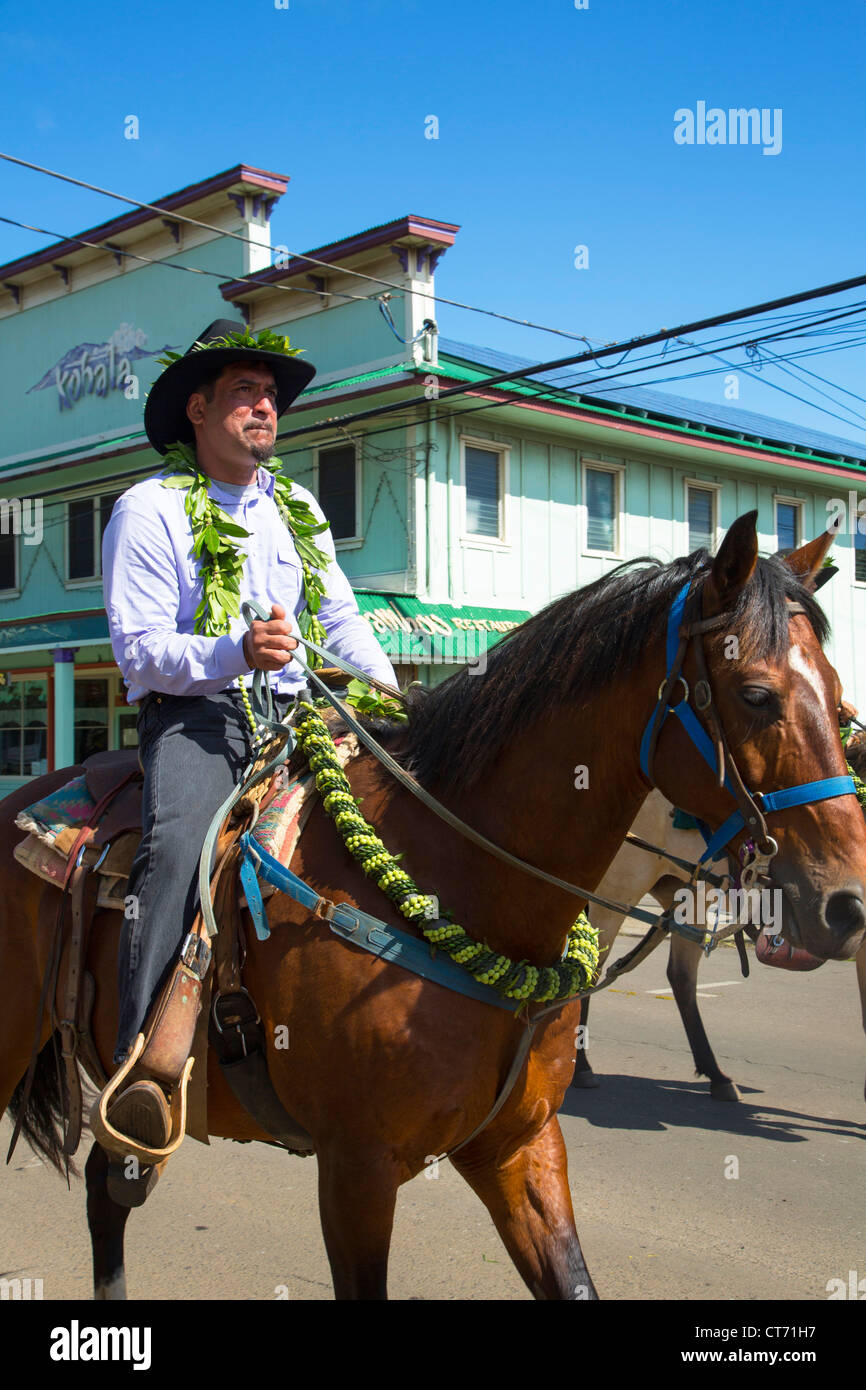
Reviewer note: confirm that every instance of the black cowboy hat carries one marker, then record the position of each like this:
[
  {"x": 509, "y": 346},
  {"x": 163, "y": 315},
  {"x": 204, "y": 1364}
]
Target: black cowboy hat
[{"x": 165, "y": 418}]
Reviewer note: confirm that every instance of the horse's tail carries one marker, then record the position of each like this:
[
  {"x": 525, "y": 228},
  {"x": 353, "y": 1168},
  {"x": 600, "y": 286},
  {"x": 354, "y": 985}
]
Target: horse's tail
[{"x": 42, "y": 1120}]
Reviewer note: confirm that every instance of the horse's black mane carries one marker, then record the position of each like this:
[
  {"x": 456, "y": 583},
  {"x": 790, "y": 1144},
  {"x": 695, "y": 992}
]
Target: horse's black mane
[{"x": 574, "y": 645}]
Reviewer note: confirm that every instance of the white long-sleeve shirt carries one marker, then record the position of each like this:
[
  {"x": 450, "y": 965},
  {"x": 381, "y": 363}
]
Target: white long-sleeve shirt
[{"x": 152, "y": 590}]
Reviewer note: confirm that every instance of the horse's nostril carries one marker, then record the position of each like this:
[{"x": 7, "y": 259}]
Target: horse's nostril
[{"x": 845, "y": 912}]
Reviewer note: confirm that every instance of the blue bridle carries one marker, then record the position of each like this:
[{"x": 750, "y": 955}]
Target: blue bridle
[{"x": 678, "y": 636}]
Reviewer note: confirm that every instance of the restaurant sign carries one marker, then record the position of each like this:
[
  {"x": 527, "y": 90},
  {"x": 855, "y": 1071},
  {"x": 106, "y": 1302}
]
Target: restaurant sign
[
  {"x": 416, "y": 632},
  {"x": 386, "y": 620}
]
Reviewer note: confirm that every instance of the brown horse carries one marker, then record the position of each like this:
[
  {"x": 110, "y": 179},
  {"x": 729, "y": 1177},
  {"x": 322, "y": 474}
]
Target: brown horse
[{"x": 384, "y": 1068}]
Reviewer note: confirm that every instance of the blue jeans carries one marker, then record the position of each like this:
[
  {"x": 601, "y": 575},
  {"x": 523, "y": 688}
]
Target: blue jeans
[{"x": 193, "y": 750}]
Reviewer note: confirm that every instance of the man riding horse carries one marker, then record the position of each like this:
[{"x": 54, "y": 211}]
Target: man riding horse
[{"x": 173, "y": 573}]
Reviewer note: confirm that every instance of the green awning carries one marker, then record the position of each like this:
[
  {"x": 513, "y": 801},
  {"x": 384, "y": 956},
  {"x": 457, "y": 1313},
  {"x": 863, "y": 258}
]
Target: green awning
[{"x": 413, "y": 630}]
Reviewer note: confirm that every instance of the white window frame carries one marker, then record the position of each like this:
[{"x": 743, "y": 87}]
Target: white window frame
[
  {"x": 502, "y": 541},
  {"x": 788, "y": 502},
  {"x": 857, "y": 583},
  {"x": 86, "y": 581},
  {"x": 716, "y": 490},
  {"x": 618, "y": 469},
  {"x": 17, "y": 677},
  {"x": 346, "y": 542}
]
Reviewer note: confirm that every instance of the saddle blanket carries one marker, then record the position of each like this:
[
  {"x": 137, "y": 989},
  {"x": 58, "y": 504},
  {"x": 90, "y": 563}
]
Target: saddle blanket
[{"x": 53, "y": 824}]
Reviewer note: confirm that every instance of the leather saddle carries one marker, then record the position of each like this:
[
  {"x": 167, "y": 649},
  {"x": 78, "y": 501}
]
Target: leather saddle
[{"x": 115, "y": 780}]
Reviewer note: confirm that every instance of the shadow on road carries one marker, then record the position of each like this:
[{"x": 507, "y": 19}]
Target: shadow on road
[{"x": 629, "y": 1102}]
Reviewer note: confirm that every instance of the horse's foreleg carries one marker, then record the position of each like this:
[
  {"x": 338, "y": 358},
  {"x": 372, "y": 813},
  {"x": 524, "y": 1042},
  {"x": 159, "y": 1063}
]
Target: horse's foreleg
[
  {"x": 107, "y": 1221},
  {"x": 682, "y": 972},
  {"x": 356, "y": 1206},
  {"x": 530, "y": 1204}
]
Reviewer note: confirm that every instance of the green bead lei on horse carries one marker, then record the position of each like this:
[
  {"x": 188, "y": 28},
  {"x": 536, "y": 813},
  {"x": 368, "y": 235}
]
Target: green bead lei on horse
[{"x": 513, "y": 979}]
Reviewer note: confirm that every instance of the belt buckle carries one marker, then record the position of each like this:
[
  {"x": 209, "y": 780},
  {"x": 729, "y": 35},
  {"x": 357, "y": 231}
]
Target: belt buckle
[{"x": 195, "y": 954}]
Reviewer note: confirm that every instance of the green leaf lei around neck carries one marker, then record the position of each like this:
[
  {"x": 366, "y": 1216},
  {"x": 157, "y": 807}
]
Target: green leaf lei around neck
[{"x": 215, "y": 546}]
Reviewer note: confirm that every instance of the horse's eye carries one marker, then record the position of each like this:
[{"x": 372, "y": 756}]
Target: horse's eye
[{"x": 756, "y": 696}]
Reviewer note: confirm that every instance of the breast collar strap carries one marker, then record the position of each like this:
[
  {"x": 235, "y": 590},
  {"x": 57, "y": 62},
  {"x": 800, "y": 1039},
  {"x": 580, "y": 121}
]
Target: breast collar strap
[{"x": 685, "y": 624}]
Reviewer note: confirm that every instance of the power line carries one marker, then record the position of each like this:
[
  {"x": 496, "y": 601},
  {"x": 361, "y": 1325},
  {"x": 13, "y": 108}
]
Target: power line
[
  {"x": 826, "y": 382},
  {"x": 858, "y": 341},
  {"x": 542, "y": 391},
  {"x": 774, "y": 385},
  {"x": 665, "y": 335}
]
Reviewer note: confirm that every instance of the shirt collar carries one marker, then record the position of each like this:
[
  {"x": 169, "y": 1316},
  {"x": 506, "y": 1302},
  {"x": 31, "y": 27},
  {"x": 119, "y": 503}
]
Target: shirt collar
[
  {"x": 264, "y": 484},
  {"x": 265, "y": 481}
]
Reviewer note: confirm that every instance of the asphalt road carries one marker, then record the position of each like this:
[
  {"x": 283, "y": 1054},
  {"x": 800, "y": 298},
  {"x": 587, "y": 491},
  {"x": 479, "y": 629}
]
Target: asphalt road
[{"x": 649, "y": 1155}]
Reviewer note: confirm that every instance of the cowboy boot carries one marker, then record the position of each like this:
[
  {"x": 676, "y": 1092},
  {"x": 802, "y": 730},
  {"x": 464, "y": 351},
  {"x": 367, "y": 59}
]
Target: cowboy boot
[{"x": 139, "y": 1119}]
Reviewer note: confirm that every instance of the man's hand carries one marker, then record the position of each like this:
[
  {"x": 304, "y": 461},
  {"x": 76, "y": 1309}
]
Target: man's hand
[{"x": 268, "y": 646}]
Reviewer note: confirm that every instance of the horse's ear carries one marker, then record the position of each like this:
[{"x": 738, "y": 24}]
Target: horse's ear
[
  {"x": 735, "y": 563},
  {"x": 807, "y": 561}
]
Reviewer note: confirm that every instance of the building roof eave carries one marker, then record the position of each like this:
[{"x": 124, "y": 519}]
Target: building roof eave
[
  {"x": 409, "y": 229},
  {"x": 244, "y": 174}
]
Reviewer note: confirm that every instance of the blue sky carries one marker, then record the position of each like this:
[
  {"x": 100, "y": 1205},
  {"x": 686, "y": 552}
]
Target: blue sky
[{"x": 556, "y": 129}]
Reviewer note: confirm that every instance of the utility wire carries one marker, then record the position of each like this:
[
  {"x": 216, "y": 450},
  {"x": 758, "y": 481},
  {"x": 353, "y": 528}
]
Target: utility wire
[
  {"x": 519, "y": 373},
  {"x": 774, "y": 385},
  {"x": 542, "y": 391}
]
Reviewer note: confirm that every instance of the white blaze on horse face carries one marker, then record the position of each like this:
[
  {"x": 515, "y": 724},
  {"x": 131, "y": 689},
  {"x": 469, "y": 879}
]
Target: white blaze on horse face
[{"x": 804, "y": 667}]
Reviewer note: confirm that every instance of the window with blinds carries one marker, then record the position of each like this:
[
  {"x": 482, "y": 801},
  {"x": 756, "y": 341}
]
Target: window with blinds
[
  {"x": 702, "y": 522},
  {"x": 601, "y": 509},
  {"x": 483, "y": 469},
  {"x": 859, "y": 557},
  {"x": 787, "y": 525},
  {"x": 338, "y": 491}
]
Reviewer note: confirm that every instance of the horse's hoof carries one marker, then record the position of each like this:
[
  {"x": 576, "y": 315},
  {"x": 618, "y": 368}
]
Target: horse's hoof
[
  {"x": 724, "y": 1090},
  {"x": 586, "y": 1081}
]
